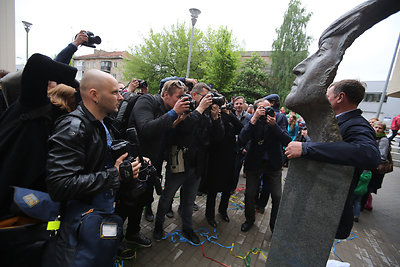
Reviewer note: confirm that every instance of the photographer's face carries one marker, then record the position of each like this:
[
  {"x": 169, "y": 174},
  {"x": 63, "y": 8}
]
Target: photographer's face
[
  {"x": 109, "y": 96},
  {"x": 170, "y": 100},
  {"x": 198, "y": 96}
]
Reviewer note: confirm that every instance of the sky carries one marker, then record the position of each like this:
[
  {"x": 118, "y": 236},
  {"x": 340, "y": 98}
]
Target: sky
[{"x": 123, "y": 24}]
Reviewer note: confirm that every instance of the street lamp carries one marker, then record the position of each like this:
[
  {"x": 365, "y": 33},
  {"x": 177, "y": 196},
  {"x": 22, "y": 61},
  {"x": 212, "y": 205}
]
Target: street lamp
[
  {"x": 27, "y": 26},
  {"x": 195, "y": 13}
]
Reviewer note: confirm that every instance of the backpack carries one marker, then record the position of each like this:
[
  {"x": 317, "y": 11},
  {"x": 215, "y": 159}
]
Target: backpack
[{"x": 121, "y": 119}]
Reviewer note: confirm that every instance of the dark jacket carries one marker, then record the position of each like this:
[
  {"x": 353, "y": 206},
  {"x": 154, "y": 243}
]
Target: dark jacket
[
  {"x": 221, "y": 163},
  {"x": 264, "y": 139},
  {"x": 26, "y": 126},
  {"x": 195, "y": 134},
  {"x": 76, "y": 163},
  {"x": 152, "y": 122},
  {"x": 358, "y": 149}
]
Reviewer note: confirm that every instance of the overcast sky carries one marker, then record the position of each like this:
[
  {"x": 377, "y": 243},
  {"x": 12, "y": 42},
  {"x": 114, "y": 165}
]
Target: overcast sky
[{"x": 122, "y": 24}]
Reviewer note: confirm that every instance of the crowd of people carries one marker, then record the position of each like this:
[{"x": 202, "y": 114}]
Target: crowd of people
[{"x": 69, "y": 140}]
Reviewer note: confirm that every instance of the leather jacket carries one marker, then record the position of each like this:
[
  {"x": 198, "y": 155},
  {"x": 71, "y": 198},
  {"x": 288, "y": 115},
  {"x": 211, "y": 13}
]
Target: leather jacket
[{"x": 76, "y": 162}]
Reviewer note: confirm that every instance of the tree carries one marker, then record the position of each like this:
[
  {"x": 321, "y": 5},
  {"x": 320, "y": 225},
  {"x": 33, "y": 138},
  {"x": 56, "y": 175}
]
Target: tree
[
  {"x": 222, "y": 61},
  {"x": 290, "y": 47},
  {"x": 214, "y": 57},
  {"x": 165, "y": 54},
  {"x": 253, "y": 81}
]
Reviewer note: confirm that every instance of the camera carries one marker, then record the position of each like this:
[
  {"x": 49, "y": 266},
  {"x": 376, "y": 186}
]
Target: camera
[
  {"x": 230, "y": 107},
  {"x": 132, "y": 188},
  {"x": 268, "y": 111},
  {"x": 92, "y": 39},
  {"x": 142, "y": 84},
  {"x": 192, "y": 103},
  {"x": 218, "y": 99}
]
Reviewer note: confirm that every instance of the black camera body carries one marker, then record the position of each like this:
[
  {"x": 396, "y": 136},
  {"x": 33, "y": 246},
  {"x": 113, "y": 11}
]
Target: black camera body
[
  {"x": 92, "y": 40},
  {"x": 230, "y": 107},
  {"x": 192, "y": 103},
  {"x": 269, "y": 111},
  {"x": 132, "y": 188},
  {"x": 142, "y": 84},
  {"x": 218, "y": 99}
]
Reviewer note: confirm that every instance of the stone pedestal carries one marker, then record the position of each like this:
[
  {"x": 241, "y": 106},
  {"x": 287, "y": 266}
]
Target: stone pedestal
[{"x": 312, "y": 203}]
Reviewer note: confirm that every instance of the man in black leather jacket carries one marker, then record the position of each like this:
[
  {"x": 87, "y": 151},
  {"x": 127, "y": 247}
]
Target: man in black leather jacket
[{"x": 81, "y": 174}]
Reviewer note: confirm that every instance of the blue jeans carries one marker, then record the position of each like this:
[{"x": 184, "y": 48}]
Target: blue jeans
[
  {"x": 190, "y": 184},
  {"x": 272, "y": 181},
  {"x": 356, "y": 200}
]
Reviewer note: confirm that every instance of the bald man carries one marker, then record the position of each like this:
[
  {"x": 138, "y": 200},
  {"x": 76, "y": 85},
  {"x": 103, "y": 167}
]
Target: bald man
[{"x": 82, "y": 176}]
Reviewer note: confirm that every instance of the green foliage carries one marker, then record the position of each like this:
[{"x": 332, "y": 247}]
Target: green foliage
[
  {"x": 222, "y": 61},
  {"x": 290, "y": 47},
  {"x": 253, "y": 81},
  {"x": 165, "y": 54},
  {"x": 214, "y": 58}
]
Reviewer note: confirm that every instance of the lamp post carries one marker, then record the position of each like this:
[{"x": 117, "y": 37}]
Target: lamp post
[
  {"x": 195, "y": 13},
  {"x": 27, "y": 26}
]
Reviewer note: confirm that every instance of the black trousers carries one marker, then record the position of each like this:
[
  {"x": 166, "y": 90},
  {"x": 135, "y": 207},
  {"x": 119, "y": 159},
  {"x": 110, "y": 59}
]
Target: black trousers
[{"x": 223, "y": 204}]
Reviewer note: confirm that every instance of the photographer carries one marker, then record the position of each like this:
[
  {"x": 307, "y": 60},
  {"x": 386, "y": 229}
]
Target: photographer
[
  {"x": 82, "y": 176},
  {"x": 138, "y": 86},
  {"x": 188, "y": 158},
  {"x": 264, "y": 157},
  {"x": 220, "y": 175},
  {"x": 153, "y": 117}
]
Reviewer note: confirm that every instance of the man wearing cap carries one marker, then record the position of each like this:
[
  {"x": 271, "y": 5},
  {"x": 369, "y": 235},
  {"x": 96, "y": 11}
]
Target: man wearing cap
[{"x": 264, "y": 136}]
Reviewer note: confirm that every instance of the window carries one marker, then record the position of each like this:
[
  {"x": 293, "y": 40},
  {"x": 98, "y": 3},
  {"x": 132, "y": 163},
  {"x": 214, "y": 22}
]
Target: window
[
  {"x": 374, "y": 97},
  {"x": 114, "y": 75},
  {"x": 94, "y": 64},
  {"x": 105, "y": 66},
  {"x": 115, "y": 64}
]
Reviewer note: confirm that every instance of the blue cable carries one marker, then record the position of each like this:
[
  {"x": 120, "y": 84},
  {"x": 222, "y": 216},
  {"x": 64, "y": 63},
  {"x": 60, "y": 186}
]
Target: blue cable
[{"x": 334, "y": 249}]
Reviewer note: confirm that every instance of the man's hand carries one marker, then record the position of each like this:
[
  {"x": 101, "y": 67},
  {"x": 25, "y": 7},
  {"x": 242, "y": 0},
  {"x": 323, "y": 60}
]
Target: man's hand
[
  {"x": 205, "y": 102},
  {"x": 260, "y": 111},
  {"x": 179, "y": 119},
  {"x": 80, "y": 38},
  {"x": 294, "y": 150},
  {"x": 136, "y": 168},
  {"x": 181, "y": 105},
  {"x": 190, "y": 80},
  {"x": 215, "y": 112},
  {"x": 271, "y": 121},
  {"x": 133, "y": 85}
]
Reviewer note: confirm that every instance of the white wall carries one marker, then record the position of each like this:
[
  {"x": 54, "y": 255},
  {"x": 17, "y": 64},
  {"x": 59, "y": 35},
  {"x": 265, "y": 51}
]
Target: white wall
[{"x": 7, "y": 35}]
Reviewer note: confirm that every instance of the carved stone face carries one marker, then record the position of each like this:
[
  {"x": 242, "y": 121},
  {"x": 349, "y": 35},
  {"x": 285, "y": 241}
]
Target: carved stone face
[{"x": 314, "y": 74}]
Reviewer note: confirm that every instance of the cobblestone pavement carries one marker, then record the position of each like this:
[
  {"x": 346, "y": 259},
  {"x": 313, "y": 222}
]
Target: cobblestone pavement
[{"x": 377, "y": 242}]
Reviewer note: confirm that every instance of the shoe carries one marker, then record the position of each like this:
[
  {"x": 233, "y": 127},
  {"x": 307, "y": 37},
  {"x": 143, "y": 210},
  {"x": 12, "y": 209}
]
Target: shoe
[
  {"x": 212, "y": 222},
  {"x": 138, "y": 239},
  {"x": 195, "y": 207},
  {"x": 246, "y": 226},
  {"x": 148, "y": 214},
  {"x": 124, "y": 252},
  {"x": 170, "y": 214},
  {"x": 191, "y": 236},
  {"x": 356, "y": 219},
  {"x": 224, "y": 217},
  {"x": 158, "y": 232}
]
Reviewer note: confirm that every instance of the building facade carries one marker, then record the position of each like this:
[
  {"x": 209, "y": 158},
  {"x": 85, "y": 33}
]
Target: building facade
[
  {"x": 370, "y": 103},
  {"x": 110, "y": 62}
]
